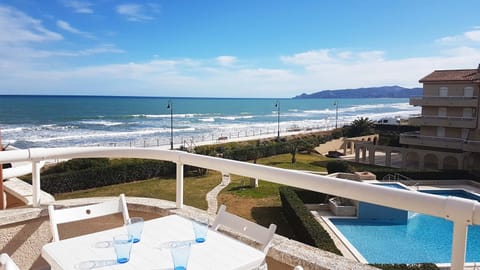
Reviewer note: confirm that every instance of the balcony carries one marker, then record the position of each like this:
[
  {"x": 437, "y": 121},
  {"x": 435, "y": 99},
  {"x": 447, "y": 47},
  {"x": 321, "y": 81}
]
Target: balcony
[
  {"x": 26, "y": 229},
  {"x": 443, "y": 121},
  {"x": 471, "y": 146},
  {"x": 450, "y": 101},
  {"x": 414, "y": 138}
]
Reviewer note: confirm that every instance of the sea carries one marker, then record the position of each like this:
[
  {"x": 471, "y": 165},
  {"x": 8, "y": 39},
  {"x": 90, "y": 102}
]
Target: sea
[{"x": 61, "y": 121}]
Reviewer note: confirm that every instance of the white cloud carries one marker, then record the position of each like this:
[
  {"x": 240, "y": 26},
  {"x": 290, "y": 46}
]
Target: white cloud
[
  {"x": 134, "y": 12},
  {"x": 310, "y": 57},
  {"x": 67, "y": 27},
  {"x": 40, "y": 71},
  {"x": 331, "y": 56},
  {"x": 17, "y": 28},
  {"x": 104, "y": 48},
  {"x": 191, "y": 77},
  {"x": 79, "y": 6},
  {"x": 472, "y": 36},
  {"x": 226, "y": 60}
]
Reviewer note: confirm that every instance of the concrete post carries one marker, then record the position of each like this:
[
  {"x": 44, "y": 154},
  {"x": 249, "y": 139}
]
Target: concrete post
[
  {"x": 179, "y": 193},
  {"x": 36, "y": 183},
  {"x": 357, "y": 154},
  {"x": 459, "y": 242},
  {"x": 388, "y": 158},
  {"x": 421, "y": 162},
  {"x": 441, "y": 159},
  {"x": 371, "y": 155}
]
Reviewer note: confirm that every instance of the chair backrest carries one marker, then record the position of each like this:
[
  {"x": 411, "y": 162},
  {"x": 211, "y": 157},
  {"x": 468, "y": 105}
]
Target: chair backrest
[
  {"x": 6, "y": 263},
  {"x": 254, "y": 231},
  {"x": 78, "y": 213}
]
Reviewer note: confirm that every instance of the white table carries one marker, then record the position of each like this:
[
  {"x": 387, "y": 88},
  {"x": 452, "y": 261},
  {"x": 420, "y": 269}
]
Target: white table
[{"x": 217, "y": 252}]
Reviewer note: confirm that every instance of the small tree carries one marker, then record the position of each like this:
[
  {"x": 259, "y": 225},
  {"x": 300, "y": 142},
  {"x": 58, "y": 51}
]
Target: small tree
[
  {"x": 360, "y": 127},
  {"x": 339, "y": 166}
]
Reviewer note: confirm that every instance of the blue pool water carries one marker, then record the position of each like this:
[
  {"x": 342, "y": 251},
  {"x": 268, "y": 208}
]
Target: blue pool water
[{"x": 422, "y": 239}]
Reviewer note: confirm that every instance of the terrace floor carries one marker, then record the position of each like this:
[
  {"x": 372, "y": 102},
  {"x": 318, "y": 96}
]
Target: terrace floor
[{"x": 24, "y": 231}]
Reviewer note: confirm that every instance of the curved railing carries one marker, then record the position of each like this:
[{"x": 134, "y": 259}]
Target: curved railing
[{"x": 462, "y": 212}]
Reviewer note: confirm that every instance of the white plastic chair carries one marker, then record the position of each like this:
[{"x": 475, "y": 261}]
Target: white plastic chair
[
  {"x": 6, "y": 263},
  {"x": 78, "y": 213},
  {"x": 256, "y": 232},
  {"x": 298, "y": 267}
]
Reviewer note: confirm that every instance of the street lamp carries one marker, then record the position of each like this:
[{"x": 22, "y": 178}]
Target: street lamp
[
  {"x": 170, "y": 107},
  {"x": 336, "y": 113},
  {"x": 277, "y": 105}
]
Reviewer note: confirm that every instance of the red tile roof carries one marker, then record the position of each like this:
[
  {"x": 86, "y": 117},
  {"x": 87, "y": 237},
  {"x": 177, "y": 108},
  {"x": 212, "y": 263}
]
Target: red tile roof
[{"x": 468, "y": 75}]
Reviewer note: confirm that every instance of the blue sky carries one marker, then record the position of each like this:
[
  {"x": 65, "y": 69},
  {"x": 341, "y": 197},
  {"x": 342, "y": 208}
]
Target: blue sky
[{"x": 247, "y": 48}]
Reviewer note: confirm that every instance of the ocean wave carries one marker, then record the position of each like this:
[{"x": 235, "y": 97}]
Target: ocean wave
[
  {"x": 235, "y": 117},
  {"x": 209, "y": 119},
  {"x": 118, "y": 134},
  {"x": 175, "y": 115},
  {"x": 101, "y": 123},
  {"x": 13, "y": 129},
  {"x": 325, "y": 111}
]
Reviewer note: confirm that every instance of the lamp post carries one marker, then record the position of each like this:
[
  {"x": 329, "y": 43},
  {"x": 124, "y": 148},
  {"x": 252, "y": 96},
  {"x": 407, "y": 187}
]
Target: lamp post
[
  {"x": 277, "y": 105},
  {"x": 170, "y": 107},
  {"x": 336, "y": 113}
]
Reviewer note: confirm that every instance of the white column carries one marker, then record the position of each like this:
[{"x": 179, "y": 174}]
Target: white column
[
  {"x": 179, "y": 185},
  {"x": 36, "y": 183},
  {"x": 459, "y": 242}
]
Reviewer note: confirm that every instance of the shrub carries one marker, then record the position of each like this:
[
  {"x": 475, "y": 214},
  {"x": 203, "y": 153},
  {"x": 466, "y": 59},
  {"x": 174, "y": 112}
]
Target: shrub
[
  {"x": 339, "y": 166},
  {"x": 77, "y": 164},
  {"x": 306, "y": 228},
  {"x": 92, "y": 177}
]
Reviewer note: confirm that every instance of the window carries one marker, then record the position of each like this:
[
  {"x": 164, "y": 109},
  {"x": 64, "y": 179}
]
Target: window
[
  {"x": 443, "y": 91},
  {"x": 468, "y": 91},
  {"x": 468, "y": 112},
  {"x": 440, "y": 131},
  {"x": 442, "y": 111}
]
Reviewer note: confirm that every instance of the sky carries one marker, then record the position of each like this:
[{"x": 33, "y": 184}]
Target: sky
[{"x": 243, "y": 48}]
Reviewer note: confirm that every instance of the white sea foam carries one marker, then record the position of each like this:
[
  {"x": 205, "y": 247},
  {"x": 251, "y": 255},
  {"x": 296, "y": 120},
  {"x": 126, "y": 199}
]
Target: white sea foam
[
  {"x": 14, "y": 129},
  {"x": 326, "y": 111},
  {"x": 209, "y": 119},
  {"x": 120, "y": 134},
  {"x": 101, "y": 123}
]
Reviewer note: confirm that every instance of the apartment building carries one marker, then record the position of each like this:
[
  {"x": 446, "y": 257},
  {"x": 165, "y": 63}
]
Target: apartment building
[{"x": 449, "y": 136}]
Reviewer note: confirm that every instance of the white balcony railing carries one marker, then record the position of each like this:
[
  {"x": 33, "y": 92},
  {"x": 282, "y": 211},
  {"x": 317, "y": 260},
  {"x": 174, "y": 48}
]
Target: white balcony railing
[
  {"x": 462, "y": 212},
  {"x": 449, "y": 118},
  {"x": 416, "y": 135}
]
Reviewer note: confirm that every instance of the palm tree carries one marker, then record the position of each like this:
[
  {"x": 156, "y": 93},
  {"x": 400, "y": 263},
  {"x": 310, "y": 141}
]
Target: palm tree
[{"x": 360, "y": 127}]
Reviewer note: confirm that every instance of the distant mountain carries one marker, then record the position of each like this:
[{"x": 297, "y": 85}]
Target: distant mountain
[{"x": 370, "y": 92}]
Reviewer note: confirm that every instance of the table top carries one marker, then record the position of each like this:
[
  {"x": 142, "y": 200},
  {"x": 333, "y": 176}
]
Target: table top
[{"x": 217, "y": 252}]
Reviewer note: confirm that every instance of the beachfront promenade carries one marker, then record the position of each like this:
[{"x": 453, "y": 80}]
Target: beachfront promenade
[{"x": 219, "y": 137}]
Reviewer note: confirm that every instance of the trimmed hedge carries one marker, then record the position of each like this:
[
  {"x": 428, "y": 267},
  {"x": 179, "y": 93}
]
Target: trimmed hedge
[
  {"x": 306, "y": 229},
  {"x": 93, "y": 177},
  {"x": 251, "y": 150},
  {"x": 339, "y": 166}
]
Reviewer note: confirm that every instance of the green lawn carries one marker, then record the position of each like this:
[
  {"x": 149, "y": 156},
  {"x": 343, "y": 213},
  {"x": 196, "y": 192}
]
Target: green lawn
[
  {"x": 195, "y": 189},
  {"x": 260, "y": 204}
]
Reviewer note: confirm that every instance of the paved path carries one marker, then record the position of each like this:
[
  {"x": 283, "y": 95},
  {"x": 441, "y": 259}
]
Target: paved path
[{"x": 212, "y": 195}]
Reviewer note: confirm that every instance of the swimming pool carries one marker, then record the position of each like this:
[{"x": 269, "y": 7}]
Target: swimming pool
[{"x": 422, "y": 239}]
